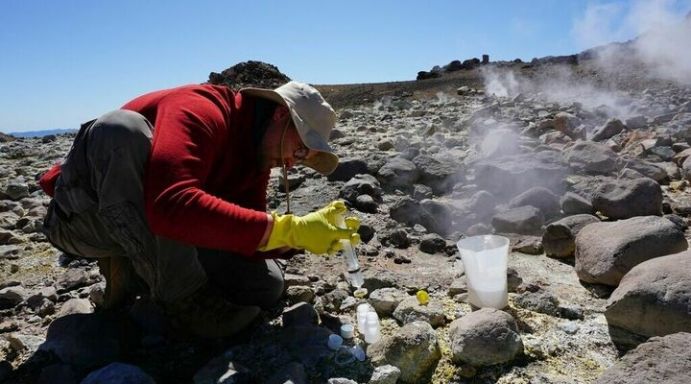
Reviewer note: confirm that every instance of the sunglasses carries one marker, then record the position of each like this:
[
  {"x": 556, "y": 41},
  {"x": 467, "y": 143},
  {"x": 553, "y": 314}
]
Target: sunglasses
[{"x": 300, "y": 153}]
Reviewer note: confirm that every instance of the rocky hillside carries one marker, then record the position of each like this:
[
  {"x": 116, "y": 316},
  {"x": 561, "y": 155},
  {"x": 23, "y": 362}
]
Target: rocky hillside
[{"x": 585, "y": 171}]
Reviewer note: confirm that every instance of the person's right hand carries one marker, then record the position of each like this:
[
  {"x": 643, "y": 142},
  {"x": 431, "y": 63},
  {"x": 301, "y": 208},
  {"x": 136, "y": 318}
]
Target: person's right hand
[{"x": 316, "y": 232}]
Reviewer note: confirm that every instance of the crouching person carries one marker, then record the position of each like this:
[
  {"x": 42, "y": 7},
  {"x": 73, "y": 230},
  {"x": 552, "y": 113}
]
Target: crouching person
[{"x": 169, "y": 194}]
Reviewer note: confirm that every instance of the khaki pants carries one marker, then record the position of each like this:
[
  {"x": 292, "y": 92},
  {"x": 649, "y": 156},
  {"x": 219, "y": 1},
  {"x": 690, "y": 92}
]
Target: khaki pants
[{"x": 98, "y": 212}]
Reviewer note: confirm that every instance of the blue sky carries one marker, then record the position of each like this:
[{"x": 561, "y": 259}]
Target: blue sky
[{"x": 64, "y": 62}]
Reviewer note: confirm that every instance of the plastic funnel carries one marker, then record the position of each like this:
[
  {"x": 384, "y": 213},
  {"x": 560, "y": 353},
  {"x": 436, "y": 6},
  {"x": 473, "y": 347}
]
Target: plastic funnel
[{"x": 485, "y": 259}]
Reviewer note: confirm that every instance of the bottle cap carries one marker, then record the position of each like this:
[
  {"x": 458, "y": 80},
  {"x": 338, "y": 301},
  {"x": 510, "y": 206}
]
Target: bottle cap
[
  {"x": 335, "y": 342},
  {"x": 347, "y": 331}
]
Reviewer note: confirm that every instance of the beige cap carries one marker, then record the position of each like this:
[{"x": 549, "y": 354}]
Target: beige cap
[{"x": 313, "y": 117}]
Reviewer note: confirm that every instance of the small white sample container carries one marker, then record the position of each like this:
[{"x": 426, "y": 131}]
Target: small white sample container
[
  {"x": 362, "y": 310},
  {"x": 485, "y": 259},
  {"x": 371, "y": 327},
  {"x": 347, "y": 331}
]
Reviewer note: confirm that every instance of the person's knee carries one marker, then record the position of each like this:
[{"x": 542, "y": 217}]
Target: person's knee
[
  {"x": 121, "y": 128},
  {"x": 272, "y": 292}
]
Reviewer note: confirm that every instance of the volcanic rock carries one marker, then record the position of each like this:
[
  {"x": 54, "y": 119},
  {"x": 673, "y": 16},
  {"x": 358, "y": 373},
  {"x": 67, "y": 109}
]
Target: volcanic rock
[
  {"x": 660, "y": 360},
  {"x": 410, "y": 310},
  {"x": 654, "y": 298},
  {"x": 485, "y": 337},
  {"x": 526, "y": 220},
  {"x": 606, "y": 251},
  {"x": 590, "y": 157},
  {"x": 250, "y": 74},
  {"x": 559, "y": 239},
  {"x": 623, "y": 199},
  {"x": 413, "y": 349}
]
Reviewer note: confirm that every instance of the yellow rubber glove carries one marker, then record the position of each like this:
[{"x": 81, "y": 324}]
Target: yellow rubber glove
[{"x": 316, "y": 232}]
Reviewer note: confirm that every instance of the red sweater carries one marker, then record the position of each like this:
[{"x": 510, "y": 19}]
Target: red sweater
[{"x": 202, "y": 185}]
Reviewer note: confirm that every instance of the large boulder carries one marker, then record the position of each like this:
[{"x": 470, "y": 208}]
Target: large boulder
[
  {"x": 410, "y": 310},
  {"x": 435, "y": 215},
  {"x": 622, "y": 199},
  {"x": 559, "y": 239},
  {"x": 590, "y": 157},
  {"x": 398, "y": 173},
  {"x": 525, "y": 220},
  {"x": 660, "y": 360},
  {"x": 539, "y": 197},
  {"x": 347, "y": 168},
  {"x": 361, "y": 184},
  {"x": 507, "y": 176},
  {"x": 609, "y": 129},
  {"x": 606, "y": 251},
  {"x": 654, "y": 298},
  {"x": 485, "y": 337},
  {"x": 413, "y": 348},
  {"x": 439, "y": 175}
]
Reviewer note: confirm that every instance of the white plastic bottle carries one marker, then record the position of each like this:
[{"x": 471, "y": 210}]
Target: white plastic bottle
[
  {"x": 351, "y": 261},
  {"x": 371, "y": 328}
]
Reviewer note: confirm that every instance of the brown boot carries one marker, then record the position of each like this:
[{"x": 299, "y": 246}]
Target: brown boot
[
  {"x": 206, "y": 314},
  {"x": 122, "y": 283}
]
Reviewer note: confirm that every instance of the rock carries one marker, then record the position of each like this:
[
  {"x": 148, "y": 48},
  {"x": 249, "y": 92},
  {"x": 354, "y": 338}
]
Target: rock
[
  {"x": 25, "y": 344},
  {"x": 654, "y": 298},
  {"x": 12, "y": 296},
  {"x": 300, "y": 293},
  {"x": 526, "y": 220},
  {"x": 376, "y": 279},
  {"x": 398, "y": 173},
  {"x": 436, "y": 216},
  {"x": 622, "y": 199},
  {"x": 513, "y": 279},
  {"x": 347, "y": 169},
  {"x": 439, "y": 175},
  {"x": 540, "y": 198},
  {"x": 16, "y": 190},
  {"x": 605, "y": 259},
  {"x": 636, "y": 122},
  {"x": 507, "y": 176},
  {"x": 73, "y": 278},
  {"x": 590, "y": 157},
  {"x": 299, "y": 315},
  {"x": 89, "y": 340},
  {"x": 559, "y": 239},
  {"x": 74, "y": 306},
  {"x": 540, "y": 301},
  {"x": 367, "y": 204},
  {"x": 485, "y": 337},
  {"x": 648, "y": 169},
  {"x": 362, "y": 184},
  {"x": 413, "y": 349},
  {"x": 385, "y": 300},
  {"x": 385, "y": 374},
  {"x": 660, "y": 360},
  {"x": 432, "y": 243},
  {"x": 291, "y": 279},
  {"x": 530, "y": 245},
  {"x": 398, "y": 238},
  {"x": 410, "y": 310},
  {"x": 118, "y": 373},
  {"x": 340, "y": 380},
  {"x": 574, "y": 204},
  {"x": 408, "y": 211},
  {"x": 569, "y": 125},
  {"x": 611, "y": 128}
]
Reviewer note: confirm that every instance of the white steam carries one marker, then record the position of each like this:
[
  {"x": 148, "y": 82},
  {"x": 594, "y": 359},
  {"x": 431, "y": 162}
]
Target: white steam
[{"x": 664, "y": 35}]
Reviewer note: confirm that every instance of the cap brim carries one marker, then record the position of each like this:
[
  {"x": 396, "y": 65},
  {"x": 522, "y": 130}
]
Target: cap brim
[{"x": 325, "y": 160}]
